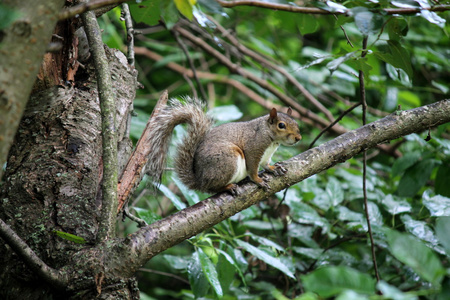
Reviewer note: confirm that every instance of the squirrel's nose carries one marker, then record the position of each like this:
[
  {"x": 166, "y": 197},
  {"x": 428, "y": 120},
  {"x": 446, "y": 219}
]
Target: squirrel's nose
[{"x": 298, "y": 137}]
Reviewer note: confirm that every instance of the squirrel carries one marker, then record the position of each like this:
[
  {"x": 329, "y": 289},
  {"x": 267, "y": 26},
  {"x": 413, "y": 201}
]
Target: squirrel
[{"x": 212, "y": 159}]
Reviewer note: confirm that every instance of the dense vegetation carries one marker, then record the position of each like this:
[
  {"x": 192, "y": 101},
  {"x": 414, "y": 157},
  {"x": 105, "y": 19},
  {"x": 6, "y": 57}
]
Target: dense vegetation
[{"x": 310, "y": 241}]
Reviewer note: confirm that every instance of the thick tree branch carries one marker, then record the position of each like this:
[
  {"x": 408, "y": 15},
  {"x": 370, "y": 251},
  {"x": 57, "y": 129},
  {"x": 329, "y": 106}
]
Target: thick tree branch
[
  {"x": 109, "y": 136},
  {"x": 50, "y": 275},
  {"x": 23, "y": 45},
  {"x": 165, "y": 233}
]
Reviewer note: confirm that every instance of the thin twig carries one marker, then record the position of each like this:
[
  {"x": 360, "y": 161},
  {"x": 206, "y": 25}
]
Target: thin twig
[
  {"x": 366, "y": 206},
  {"x": 218, "y": 78},
  {"x": 54, "y": 277},
  {"x": 108, "y": 114},
  {"x": 258, "y": 57},
  {"x": 332, "y": 124},
  {"x": 235, "y": 68},
  {"x": 191, "y": 63},
  {"x": 130, "y": 33},
  {"x": 164, "y": 274},
  {"x": 345, "y": 33}
]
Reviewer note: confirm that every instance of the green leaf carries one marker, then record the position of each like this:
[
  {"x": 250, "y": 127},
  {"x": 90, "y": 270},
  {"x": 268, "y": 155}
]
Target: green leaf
[
  {"x": 147, "y": 215},
  {"x": 391, "y": 292},
  {"x": 147, "y": 12},
  {"x": 225, "y": 271},
  {"x": 210, "y": 272},
  {"x": 264, "y": 241},
  {"x": 366, "y": 21},
  {"x": 397, "y": 28},
  {"x": 419, "y": 229},
  {"x": 351, "y": 295},
  {"x": 234, "y": 263},
  {"x": 395, "y": 206},
  {"x": 226, "y": 113},
  {"x": 439, "y": 206},
  {"x": 169, "y": 13},
  {"x": 332, "y": 280},
  {"x": 197, "y": 279},
  {"x": 307, "y": 24},
  {"x": 442, "y": 227},
  {"x": 415, "y": 178},
  {"x": 176, "y": 262},
  {"x": 398, "y": 57},
  {"x": 70, "y": 237},
  {"x": 416, "y": 255},
  {"x": 172, "y": 197},
  {"x": 268, "y": 259},
  {"x": 335, "y": 63},
  {"x": 185, "y": 7},
  {"x": 404, "y": 162},
  {"x": 442, "y": 185},
  {"x": 334, "y": 191},
  {"x": 191, "y": 196},
  {"x": 401, "y": 57},
  {"x": 432, "y": 17}
]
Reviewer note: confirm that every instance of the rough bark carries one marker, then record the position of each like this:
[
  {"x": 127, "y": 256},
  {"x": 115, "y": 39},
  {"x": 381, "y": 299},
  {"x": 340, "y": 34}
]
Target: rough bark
[
  {"x": 54, "y": 174},
  {"x": 22, "y": 46}
]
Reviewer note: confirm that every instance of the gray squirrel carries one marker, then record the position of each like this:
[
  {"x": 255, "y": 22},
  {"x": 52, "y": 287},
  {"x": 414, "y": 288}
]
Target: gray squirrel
[{"x": 212, "y": 159}]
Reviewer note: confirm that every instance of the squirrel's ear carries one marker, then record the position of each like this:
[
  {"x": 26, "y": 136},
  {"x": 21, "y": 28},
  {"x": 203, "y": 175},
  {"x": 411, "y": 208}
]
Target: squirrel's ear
[
  {"x": 272, "y": 115},
  {"x": 289, "y": 112}
]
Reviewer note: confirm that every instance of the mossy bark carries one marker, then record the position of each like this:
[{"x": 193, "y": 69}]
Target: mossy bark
[{"x": 54, "y": 175}]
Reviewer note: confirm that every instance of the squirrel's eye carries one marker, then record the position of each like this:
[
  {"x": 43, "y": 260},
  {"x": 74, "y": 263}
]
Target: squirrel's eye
[{"x": 281, "y": 125}]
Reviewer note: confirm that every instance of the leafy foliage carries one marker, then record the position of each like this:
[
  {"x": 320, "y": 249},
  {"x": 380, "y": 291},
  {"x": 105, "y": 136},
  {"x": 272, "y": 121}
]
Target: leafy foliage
[{"x": 311, "y": 241}]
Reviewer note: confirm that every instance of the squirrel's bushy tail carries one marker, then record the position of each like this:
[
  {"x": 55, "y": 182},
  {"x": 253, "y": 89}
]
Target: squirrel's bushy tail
[{"x": 177, "y": 112}]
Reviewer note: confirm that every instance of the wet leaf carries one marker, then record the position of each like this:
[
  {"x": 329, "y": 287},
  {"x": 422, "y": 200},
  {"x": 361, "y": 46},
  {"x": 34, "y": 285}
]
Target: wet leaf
[{"x": 329, "y": 281}]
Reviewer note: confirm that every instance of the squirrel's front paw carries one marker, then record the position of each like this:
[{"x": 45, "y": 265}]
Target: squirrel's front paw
[
  {"x": 262, "y": 183},
  {"x": 277, "y": 169}
]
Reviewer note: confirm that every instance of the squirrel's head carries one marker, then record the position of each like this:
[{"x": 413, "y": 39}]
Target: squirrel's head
[{"x": 284, "y": 128}]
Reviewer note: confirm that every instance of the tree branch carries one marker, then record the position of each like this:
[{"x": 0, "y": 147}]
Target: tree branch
[
  {"x": 165, "y": 233},
  {"x": 133, "y": 172},
  {"x": 319, "y": 11},
  {"x": 109, "y": 136},
  {"x": 87, "y": 6},
  {"x": 218, "y": 78},
  {"x": 23, "y": 45},
  {"x": 50, "y": 275}
]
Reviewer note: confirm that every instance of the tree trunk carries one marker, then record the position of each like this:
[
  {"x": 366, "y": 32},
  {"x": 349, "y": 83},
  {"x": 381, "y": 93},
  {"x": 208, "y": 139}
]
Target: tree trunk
[{"x": 54, "y": 175}]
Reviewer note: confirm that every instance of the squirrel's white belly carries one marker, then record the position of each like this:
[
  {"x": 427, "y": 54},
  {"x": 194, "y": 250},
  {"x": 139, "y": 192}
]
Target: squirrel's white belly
[
  {"x": 241, "y": 170},
  {"x": 267, "y": 156}
]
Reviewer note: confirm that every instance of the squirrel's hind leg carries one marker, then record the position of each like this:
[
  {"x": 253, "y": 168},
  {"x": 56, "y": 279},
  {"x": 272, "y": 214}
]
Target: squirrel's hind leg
[{"x": 221, "y": 167}]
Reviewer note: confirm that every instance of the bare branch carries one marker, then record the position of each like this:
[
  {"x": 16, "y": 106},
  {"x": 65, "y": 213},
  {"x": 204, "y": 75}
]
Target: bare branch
[
  {"x": 87, "y": 6},
  {"x": 50, "y": 275},
  {"x": 277, "y": 68},
  {"x": 109, "y": 136},
  {"x": 319, "y": 11},
  {"x": 133, "y": 171}
]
